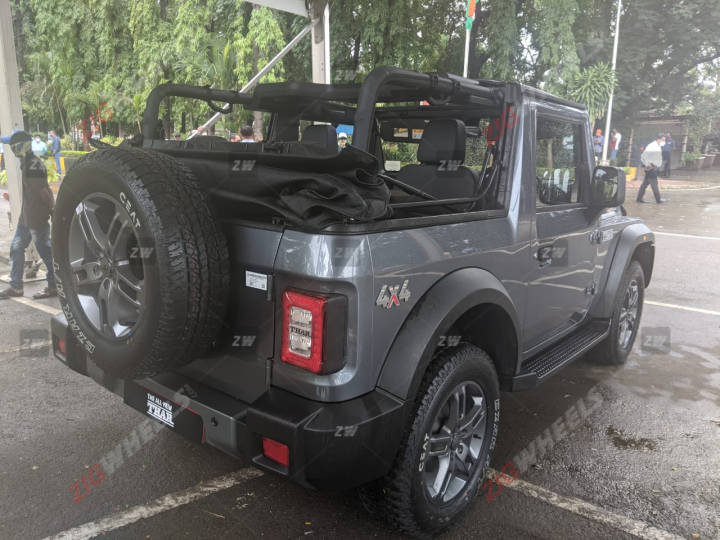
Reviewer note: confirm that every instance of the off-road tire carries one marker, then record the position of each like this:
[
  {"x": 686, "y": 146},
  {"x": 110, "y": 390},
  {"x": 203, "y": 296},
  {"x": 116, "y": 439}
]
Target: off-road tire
[
  {"x": 609, "y": 352},
  {"x": 185, "y": 284},
  {"x": 402, "y": 496}
]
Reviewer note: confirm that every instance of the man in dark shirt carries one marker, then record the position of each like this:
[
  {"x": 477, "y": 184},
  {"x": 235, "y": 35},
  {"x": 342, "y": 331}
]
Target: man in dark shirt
[
  {"x": 55, "y": 149},
  {"x": 37, "y": 205}
]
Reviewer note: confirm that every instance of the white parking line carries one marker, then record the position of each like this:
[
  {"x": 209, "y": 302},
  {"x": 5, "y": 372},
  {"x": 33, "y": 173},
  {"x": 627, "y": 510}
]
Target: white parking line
[
  {"x": 684, "y": 308},
  {"x": 590, "y": 511},
  {"x": 37, "y": 305},
  {"x": 167, "y": 502},
  {"x": 680, "y": 235}
]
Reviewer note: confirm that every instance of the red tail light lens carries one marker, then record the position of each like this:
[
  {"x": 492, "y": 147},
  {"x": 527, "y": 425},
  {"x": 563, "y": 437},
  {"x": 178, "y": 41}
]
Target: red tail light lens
[
  {"x": 61, "y": 346},
  {"x": 302, "y": 333}
]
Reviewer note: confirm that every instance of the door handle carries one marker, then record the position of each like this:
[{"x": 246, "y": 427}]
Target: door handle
[{"x": 544, "y": 255}]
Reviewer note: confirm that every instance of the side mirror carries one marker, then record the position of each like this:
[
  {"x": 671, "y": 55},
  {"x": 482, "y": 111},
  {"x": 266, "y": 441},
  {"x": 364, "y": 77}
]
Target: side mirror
[{"x": 607, "y": 188}]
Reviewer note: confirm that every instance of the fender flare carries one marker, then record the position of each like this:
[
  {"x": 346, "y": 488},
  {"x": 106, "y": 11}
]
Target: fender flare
[
  {"x": 433, "y": 315},
  {"x": 630, "y": 238}
]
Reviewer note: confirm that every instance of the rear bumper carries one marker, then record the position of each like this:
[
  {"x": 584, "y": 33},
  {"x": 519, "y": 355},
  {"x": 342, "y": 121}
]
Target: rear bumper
[{"x": 331, "y": 445}]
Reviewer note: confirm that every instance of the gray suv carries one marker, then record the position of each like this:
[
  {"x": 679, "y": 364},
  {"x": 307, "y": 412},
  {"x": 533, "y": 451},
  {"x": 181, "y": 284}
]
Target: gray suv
[{"x": 348, "y": 316}]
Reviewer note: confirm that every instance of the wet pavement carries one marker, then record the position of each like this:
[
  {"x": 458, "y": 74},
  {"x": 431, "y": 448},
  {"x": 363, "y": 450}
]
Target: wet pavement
[{"x": 619, "y": 449}]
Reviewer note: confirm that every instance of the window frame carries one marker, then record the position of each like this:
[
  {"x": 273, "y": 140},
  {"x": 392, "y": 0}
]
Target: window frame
[{"x": 551, "y": 112}]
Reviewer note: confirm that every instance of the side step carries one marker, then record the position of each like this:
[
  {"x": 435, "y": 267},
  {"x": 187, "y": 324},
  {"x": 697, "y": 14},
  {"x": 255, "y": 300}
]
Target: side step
[{"x": 544, "y": 364}]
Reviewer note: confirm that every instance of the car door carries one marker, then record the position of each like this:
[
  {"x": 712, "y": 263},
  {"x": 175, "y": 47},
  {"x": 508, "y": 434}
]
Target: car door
[{"x": 561, "y": 279}]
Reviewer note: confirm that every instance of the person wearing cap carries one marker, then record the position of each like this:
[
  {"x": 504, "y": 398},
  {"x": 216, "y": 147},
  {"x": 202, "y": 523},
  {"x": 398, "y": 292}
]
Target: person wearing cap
[
  {"x": 33, "y": 225},
  {"x": 342, "y": 140},
  {"x": 652, "y": 161}
]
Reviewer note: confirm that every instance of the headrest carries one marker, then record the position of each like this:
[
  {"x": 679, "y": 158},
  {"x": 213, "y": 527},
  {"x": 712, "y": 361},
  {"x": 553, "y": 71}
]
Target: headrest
[
  {"x": 442, "y": 140},
  {"x": 321, "y": 135},
  {"x": 16, "y": 137}
]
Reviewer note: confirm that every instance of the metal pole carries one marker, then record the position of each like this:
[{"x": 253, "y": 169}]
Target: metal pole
[
  {"x": 320, "y": 46},
  {"x": 10, "y": 106},
  {"x": 326, "y": 39},
  {"x": 467, "y": 53},
  {"x": 606, "y": 140},
  {"x": 259, "y": 75}
]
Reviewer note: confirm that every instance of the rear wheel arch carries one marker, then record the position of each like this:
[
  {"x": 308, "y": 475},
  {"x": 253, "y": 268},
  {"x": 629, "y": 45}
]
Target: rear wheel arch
[{"x": 454, "y": 306}]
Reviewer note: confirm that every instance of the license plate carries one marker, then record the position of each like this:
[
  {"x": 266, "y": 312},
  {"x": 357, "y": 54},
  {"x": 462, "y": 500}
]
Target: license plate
[{"x": 166, "y": 410}]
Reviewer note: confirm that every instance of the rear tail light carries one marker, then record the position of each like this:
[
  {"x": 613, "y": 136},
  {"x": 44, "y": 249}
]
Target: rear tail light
[
  {"x": 303, "y": 327},
  {"x": 276, "y": 451},
  {"x": 61, "y": 346}
]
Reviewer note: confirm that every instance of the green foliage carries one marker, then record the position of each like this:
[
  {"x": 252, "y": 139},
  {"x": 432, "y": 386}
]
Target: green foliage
[
  {"x": 399, "y": 151},
  {"x": 74, "y": 55},
  {"x": 591, "y": 86},
  {"x": 111, "y": 139},
  {"x": 557, "y": 52}
]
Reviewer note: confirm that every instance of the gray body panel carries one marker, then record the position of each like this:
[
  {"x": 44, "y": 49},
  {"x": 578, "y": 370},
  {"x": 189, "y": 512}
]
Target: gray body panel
[{"x": 484, "y": 257}]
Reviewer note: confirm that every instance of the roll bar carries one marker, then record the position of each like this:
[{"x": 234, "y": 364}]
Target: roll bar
[{"x": 204, "y": 93}]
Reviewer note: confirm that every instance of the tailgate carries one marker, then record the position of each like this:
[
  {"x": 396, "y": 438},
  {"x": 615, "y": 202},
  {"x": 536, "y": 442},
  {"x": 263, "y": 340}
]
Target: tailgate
[{"x": 240, "y": 365}]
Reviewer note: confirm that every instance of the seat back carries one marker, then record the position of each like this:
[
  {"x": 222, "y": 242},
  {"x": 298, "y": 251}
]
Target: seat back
[
  {"x": 441, "y": 154},
  {"x": 323, "y": 135}
]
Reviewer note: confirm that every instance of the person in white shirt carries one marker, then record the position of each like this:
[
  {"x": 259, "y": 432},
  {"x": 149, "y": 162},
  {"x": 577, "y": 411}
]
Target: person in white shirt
[
  {"x": 615, "y": 138},
  {"x": 652, "y": 160},
  {"x": 246, "y": 134}
]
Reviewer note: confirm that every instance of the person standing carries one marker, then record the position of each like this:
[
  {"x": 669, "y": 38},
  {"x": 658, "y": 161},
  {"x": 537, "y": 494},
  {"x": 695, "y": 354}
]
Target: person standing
[
  {"x": 33, "y": 225},
  {"x": 667, "y": 149},
  {"x": 615, "y": 138},
  {"x": 246, "y": 134},
  {"x": 651, "y": 159},
  {"x": 598, "y": 141},
  {"x": 55, "y": 149},
  {"x": 39, "y": 148}
]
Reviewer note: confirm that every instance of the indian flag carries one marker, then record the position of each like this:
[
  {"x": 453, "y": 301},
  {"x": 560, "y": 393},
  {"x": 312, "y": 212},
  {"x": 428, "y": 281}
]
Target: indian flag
[{"x": 470, "y": 15}]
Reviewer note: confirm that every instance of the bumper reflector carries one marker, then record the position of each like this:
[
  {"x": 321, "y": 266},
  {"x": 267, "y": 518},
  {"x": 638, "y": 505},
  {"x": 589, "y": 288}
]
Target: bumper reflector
[
  {"x": 61, "y": 346},
  {"x": 276, "y": 451}
]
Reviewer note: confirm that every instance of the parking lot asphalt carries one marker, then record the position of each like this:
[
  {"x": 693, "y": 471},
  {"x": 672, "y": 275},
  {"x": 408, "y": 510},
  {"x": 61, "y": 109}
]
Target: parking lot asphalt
[{"x": 642, "y": 461}]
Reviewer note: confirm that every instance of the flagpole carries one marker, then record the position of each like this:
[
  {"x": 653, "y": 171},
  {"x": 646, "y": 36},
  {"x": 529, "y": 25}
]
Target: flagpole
[
  {"x": 606, "y": 140},
  {"x": 467, "y": 52}
]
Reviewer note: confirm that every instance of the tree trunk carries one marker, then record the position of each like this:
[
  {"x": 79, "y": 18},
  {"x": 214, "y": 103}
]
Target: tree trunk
[
  {"x": 167, "y": 119},
  {"x": 62, "y": 119}
]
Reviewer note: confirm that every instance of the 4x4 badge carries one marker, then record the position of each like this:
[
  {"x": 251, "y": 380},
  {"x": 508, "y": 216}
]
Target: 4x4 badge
[{"x": 389, "y": 295}]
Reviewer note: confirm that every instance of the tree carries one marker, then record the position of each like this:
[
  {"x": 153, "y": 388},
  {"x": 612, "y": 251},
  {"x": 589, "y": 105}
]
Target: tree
[{"x": 591, "y": 86}]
